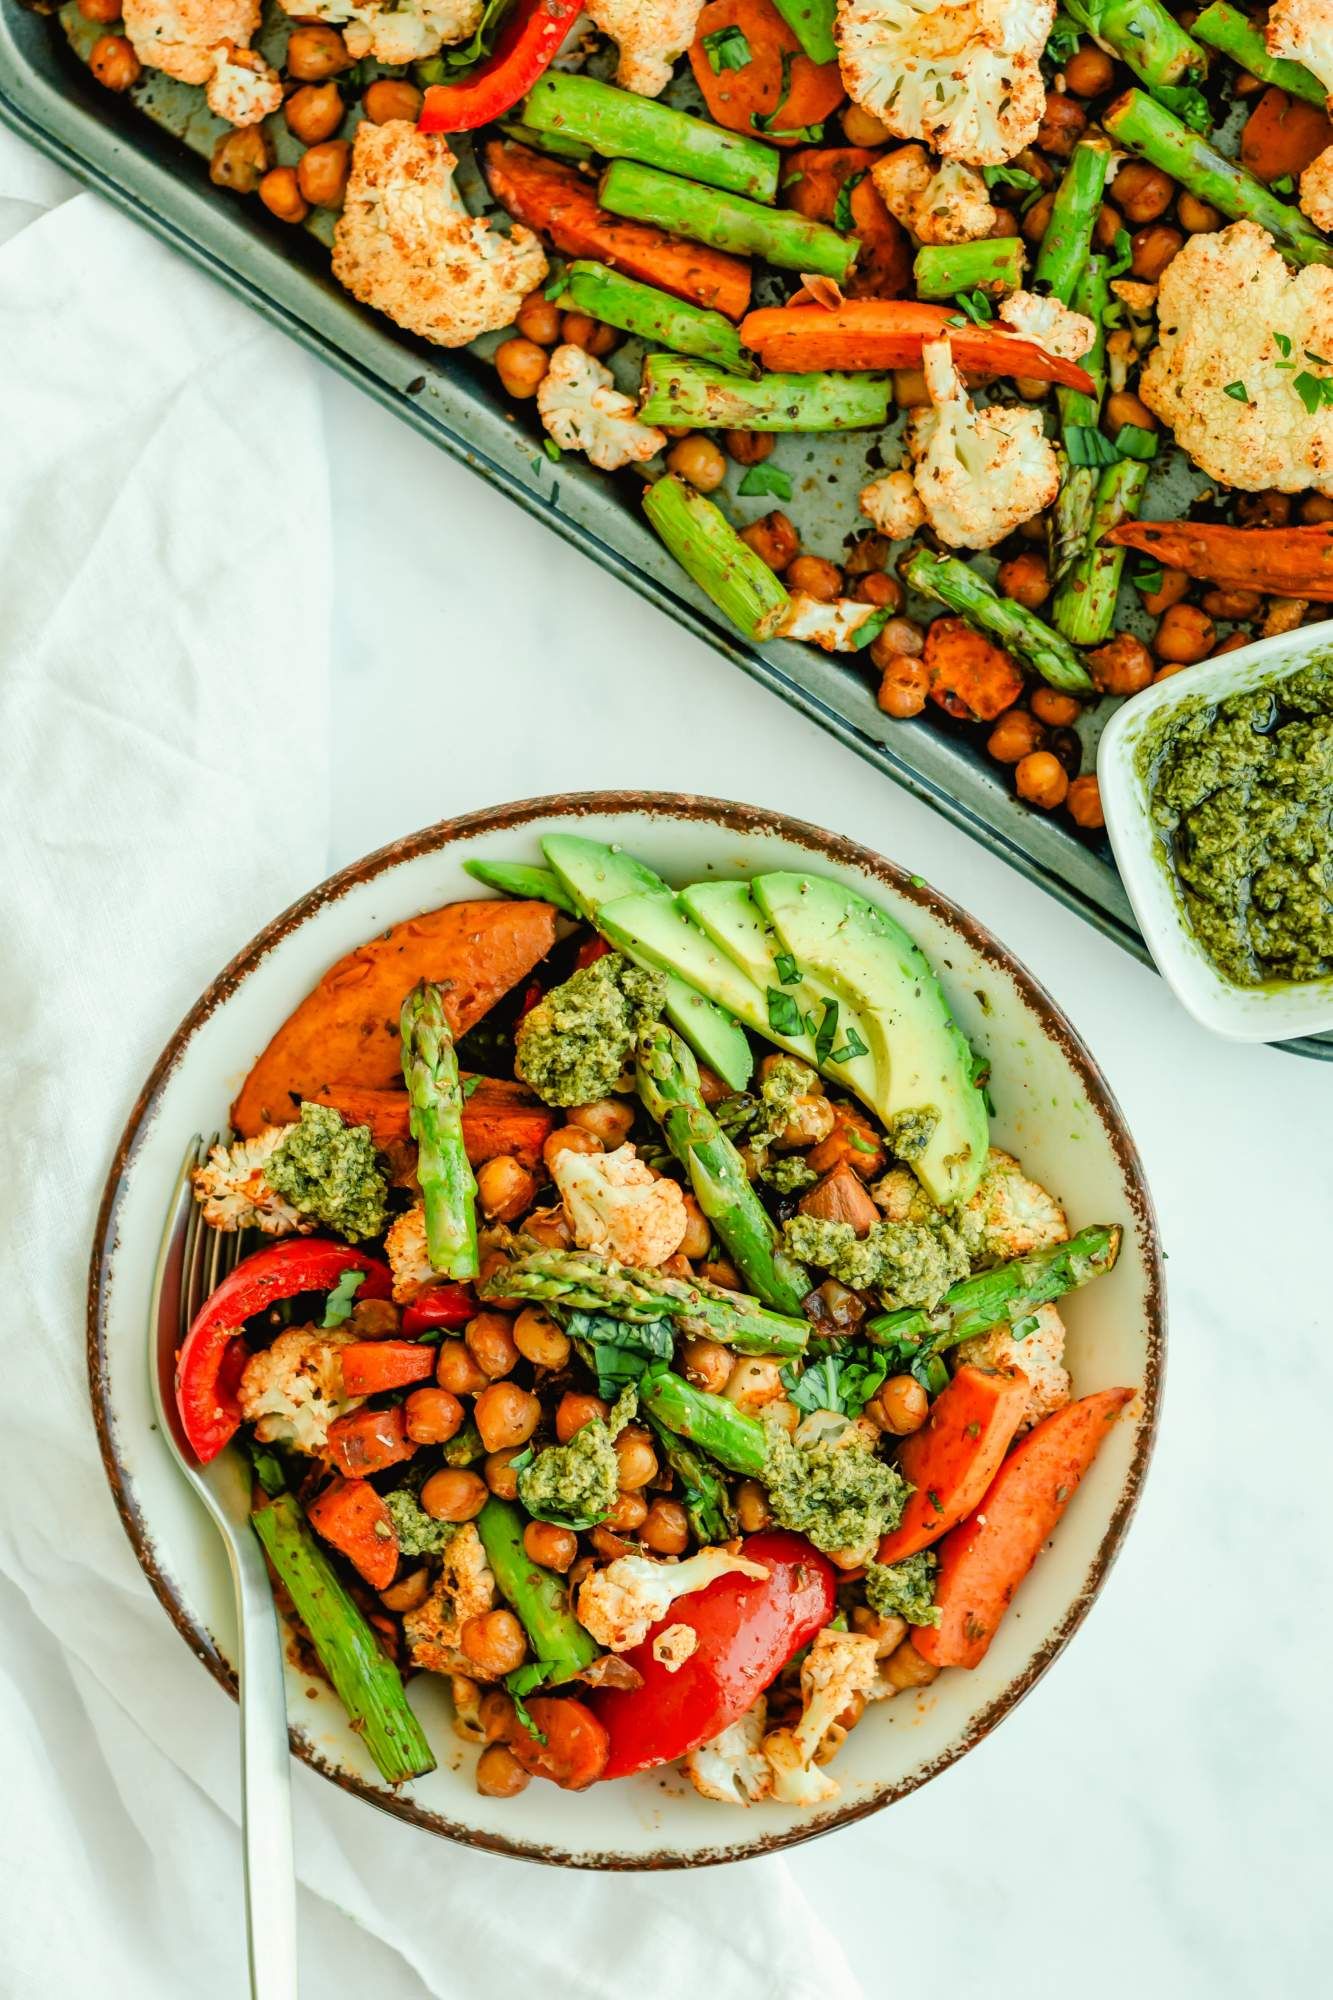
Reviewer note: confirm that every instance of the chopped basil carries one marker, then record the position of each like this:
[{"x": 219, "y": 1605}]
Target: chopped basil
[
  {"x": 1237, "y": 392},
  {"x": 552, "y": 449},
  {"x": 1148, "y": 578},
  {"x": 842, "y": 207},
  {"x": 1315, "y": 391},
  {"x": 852, "y": 1047},
  {"x": 727, "y": 48},
  {"x": 1122, "y": 254},
  {"x": 1087, "y": 446},
  {"x": 765, "y": 479},
  {"x": 827, "y": 1031},
  {"x": 1013, "y": 177},
  {"x": 841, "y": 1382},
  {"x": 977, "y": 307},
  {"x": 1133, "y": 441},
  {"x": 338, "y": 1305},
  {"x": 788, "y": 971},
  {"x": 1283, "y": 342},
  {"x": 784, "y": 1016}
]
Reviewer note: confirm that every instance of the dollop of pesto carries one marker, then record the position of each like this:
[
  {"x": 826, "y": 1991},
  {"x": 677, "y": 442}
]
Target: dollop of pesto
[
  {"x": 788, "y": 1174},
  {"x": 908, "y": 1263},
  {"x": 575, "y": 1044},
  {"x": 904, "y": 1589},
  {"x": 1241, "y": 792},
  {"x": 576, "y": 1485},
  {"x": 327, "y": 1169},
  {"x": 418, "y": 1534},
  {"x": 910, "y": 1132},
  {"x": 834, "y": 1488}
]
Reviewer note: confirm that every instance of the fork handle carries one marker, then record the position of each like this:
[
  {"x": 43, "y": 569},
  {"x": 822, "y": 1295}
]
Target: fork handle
[{"x": 266, "y": 1790}]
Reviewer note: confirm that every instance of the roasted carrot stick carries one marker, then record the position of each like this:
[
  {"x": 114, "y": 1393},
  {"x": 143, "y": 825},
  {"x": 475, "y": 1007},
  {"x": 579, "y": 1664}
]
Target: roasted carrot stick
[
  {"x": 814, "y": 179},
  {"x": 498, "y": 1117},
  {"x": 1286, "y": 562},
  {"x": 952, "y": 1459},
  {"x": 987, "y": 1556},
  {"x": 777, "y": 90},
  {"x": 352, "y": 1518},
  {"x": 370, "y": 1367},
  {"x": 887, "y": 333}
]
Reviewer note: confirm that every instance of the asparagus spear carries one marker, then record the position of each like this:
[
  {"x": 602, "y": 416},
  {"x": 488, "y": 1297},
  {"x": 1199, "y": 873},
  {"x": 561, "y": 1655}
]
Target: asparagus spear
[
  {"x": 690, "y": 392},
  {"x": 703, "y": 1492},
  {"x": 539, "y": 1596},
  {"x": 554, "y": 143},
  {"x": 1011, "y": 1292},
  {"x": 1227, "y": 29},
  {"x": 994, "y": 264},
  {"x": 448, "y": 1190},
  {"x": 364, "y": 1678},
  {"x": 726, "y": 221},
  {"x": 727, "y": 1434},
  {"x": 951, "y": 582},
  {"x": 657, "y": 317},
  {"x": 1135, "y": 121},
  {"x": 1063, "y": 255},
  {"x": 1083, "y": 607},
  {"x": 811, "y": 21},
  {"x": 578, "y": 1280},
  {"x": 521, "y": 878},
  {"x": 1071, "y": 520},
  {"x": 668, "y": 1084},
  {"x": 707, "y": 547},
  {"x": 619, "y": 125},
  {"x": 1157, "y": 49}
]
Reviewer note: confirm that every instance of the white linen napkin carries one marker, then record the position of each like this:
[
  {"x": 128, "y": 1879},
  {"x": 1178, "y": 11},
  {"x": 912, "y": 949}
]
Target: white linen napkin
[{"x": 164, "y": 664}]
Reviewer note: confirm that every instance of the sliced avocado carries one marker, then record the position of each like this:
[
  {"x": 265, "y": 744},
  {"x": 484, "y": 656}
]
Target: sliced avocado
[
  {"x": 871, "y": 962},
  {"x": 595, "y": 874},
  {"x": 731, "y": 917}
]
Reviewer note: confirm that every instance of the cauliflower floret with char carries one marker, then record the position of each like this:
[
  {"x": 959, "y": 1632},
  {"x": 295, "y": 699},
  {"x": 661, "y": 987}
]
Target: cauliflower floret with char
[
  {"x": 839, "y": 1668},
  {"x": 1009, "y": 1215},
  {"x": 234, "y": 1194},
  {"x": 581, "y": 407},
  {"x": 649, "y": 35},
  {"x": 621, "y": 1603},
  {"x": 731, "y": 1767},
  {"x": 835, "y": 628},
  {"x": 179, "y": 36},
  {"x": 978, "y": 473},
  {"x": 944, "y": 204},
  {"x": 464, "y": 1588},
  {"x": 405, "y": 244},
  {"x": 674, "y": 1645},
  {"x": 409, "y": 1259},
  {"x": 292, "y": 1391},
  {"x": 242, "y": 89},
  {"x": 1302, "y": 31},
  {"x": 1049, "y": 325},
  {"x": 1229, "y": 311},
  {"x": 1037, "y": 1354},
  {"x": 962, "y": 75},
  {"x": 394, "y": 31},
  {"x": 894, "y": 505},
  {"x": 1316, "y": 195},
  {"x": 616, "y": 1208}
]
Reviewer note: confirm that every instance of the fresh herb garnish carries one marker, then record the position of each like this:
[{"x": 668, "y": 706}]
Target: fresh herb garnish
[
  {"x": 841, "y": 1382},
  {"x": 554, "y": 285},
  {"x": 1237, "y": 392},
  {"x": 338, "y": 1305},
  {"x": 1284, "y": 184},
  {"x": 618, "y": 1351},
  {"x": 726, "y": 48},
  {"x": 526, "y": 1680},
  {"x": 1134, "y": 441},
  {"x": 851, "y": 1048},
  {"x": 1062, "y": 42},
  {"x": 842, "y": 207},
  {"x": 977, "y": 307},
  {"x": 1010, "y": 177},
  {"x": 1315, "y": 391},
  {"x": 788, "y": 971},
  {"x": 1282, "y": 341},
  {"x": 827, "y": 1031},
  {"x": 765, "y": 479},
  {"x": 1087, "y": 446},
  {"x": 1122, "y": 254},
  {"x": 861, "y": 1143},
  {"x": 784, "y": 1016},
  {"x": 552, "y": 449},
  {"x": 1148, "y": 578}
]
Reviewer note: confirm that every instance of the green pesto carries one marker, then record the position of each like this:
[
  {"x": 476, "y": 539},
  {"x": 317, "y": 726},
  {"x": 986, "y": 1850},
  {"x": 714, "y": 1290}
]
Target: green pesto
[
  {"x": 904, "y": 1589},
  {"x": 327, "y": 1169},
  {"x": 788, "y": 1174},
  {"x": 911, "y": 1263},
  {"x": 575, "y": 1044},
  {"x": 464, "y": 1447},
  {"x": 1241, "y": 793},
  {"x": 755, "y": 1119},
  {"x": 576, "y": 1485},
  {"x": 418, "y": 1534},
  {"x": 834, "y": 1488},
  {"x": 910, "y": 1132}
]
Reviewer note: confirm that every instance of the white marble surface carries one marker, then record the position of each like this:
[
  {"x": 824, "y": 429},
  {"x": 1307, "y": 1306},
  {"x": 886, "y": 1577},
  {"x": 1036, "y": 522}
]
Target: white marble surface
[{"x": 1155, "y": 1817}]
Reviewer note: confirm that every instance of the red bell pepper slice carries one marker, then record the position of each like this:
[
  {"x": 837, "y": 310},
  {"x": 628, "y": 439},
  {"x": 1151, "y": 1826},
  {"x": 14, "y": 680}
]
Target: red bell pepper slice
[
  {"x": 366, "y": 1441},
  {"x": 527, "y": 44},
  {"x": 443, "y": 1307},
  {"x": 212, "y": 1355},
  {"x": 747, "y": 1629},
  {"x": 372, "y": 1366},
  {"x": 590, "y": 951}
]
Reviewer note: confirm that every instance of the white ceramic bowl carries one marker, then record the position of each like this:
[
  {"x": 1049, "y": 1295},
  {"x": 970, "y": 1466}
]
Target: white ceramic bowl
[
  {"x": 1273, "y": 1013},
  {"x": 1052, "y": 1107}
]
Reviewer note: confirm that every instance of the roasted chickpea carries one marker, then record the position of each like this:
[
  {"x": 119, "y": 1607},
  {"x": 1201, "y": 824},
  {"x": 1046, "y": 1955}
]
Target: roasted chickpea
[
  {"x": 1026, "y": 579},
  {"x": 1005, "y": 223},
  {"x": 1058, "y": 711},
  {"x": 574, "y": 1410},
  {"x": 498, "y": 1470},
  {"x": 1196, "y": 217},
  {"x": 897, "y": 635},
  {"x": 1184, "y": 634},
  {"x": 554, "y": 1548},
  {"x": 505, "y": 1189},
  {"x": 1142, "y": 193},
  {"x": 699, "y": 462},
  {"x": 568, "y": 1139},
  {"x": 638, "y": 1460},
  {"x": 1316, "y": 508},
  {"x": 887, "y": 1633},
  {"x": 905, "y": 1669},
  {"x": 538, "y": 319},
  {"x": 114, "y": 63},
  {"x": 314, "y": 112},
  {"x": 816, "y": 577},
  {"x": 1107, "y": 227},
  {"x": 499, "y": 1773},
  {"x": 754, "y": 1381},
  {"x": 752, "y": 1509},
  {"x": 456, "y": 1371},
  {"x": 1122, "y": 666},
  {"x": 373, "y": 1319},
  {"x": 1015, "y": 734},
  {"x": 748, "y": 447},
  {"x": 493, "y": 1265},
  {"x": 102, "y": 11},
  {"x": 521, "y": 365},
  {"x": 1175, "y": 585},
  {"x": 1038, "y": 219},
  {"x": 868, "y": 553},
  {"x": 322, "y": 173},
  {"x": 698, "y": 1235},
  {"x": 1031, "y": 388},
  {"x": 1084, "y": 801},
  {"x": 391, "y": 97},
  {"x": 315, "y": 53},
  {"x": 579, "y": 330},
  {"x": 490, "y": 1342},
  {"x": 495, "y": 1643},
  {"x": 903, "y": 686},
  {"x": 432, "y": 1416},
  {"x": 609, "y": 1545},
  {"x": 407, "y": 1592},
  {"x": 884, "y": 592},
  {"x": 901, "y": 1406},
  {"x": 241, "y": 159},
  {"x": 909, "y": 388},
  {"x": 1124, "y": 407},
  {"x": 862, "y": 128},
  {"x": 628, "y": 1515},
  {"x": 454, "y": 1494},
  {"x": 1152, "y": 250},
  {"x": 773, "y": 539},
  {"x": 1089, "y": 71},
  {"x": 1263, "y": 510},
  {"x": 1063, "y": 123},
  {"x": 505, "y": 1415},
  {"x": 1237, "y": 605},
  {"x": 1041, "y": 779},
  {"x": 665, "y": 1528},
  {"x": 711, "y": 1087},
  {"x": 1065, "y": 744},
  {"x": 549, "y": 1227},
  {"x": 539, "y": 1340},
  {"x": 707, "y": 1364},
  {"x": 609, "y": 1119},
  {"x": 721, "y": 1271}
]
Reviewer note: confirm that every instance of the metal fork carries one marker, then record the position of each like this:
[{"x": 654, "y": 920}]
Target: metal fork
[{"x": 191, "y": 1261}]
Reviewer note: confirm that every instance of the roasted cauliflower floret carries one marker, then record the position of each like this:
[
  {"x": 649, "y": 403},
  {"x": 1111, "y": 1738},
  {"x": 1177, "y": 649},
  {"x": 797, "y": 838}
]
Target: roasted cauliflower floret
[
  {"x": 1049, "y": 325},
  {"x": 394, "y": 31},
  {"x": 409, "y": 1259},
  {"x": 464, "y": 1588},
  {"x": 1035, "y": 1347},
  {"x": 242, "y": 89},
  {"x": 616, "y": 1208},
  {"x": 894, "y": 505},
  {"x": 179, "y": 36},
  {"x": 902, "y": 1198},
  {"x": 944, "y": 204},
  {"x": 619, "y": 1604},
  {"x": 649, "y": 35},
  {"x": 1317, "y": 191},
  {"x": 292, "y": 1391},
  {"x": 962, "y": 75},
  {"x": 405, "y": 244},
  {"x": 1302, "y": 31},
  {"x": 978, "y": 473},
  {"x": 839, "y": 1669},
  {"x": 835, "y": 628},
  {"x": 731, "y": 1767},
  {"x": 233, "y": 1193},
  {"x": 1230, "y": 314},
  {"x": 674, "y": 1645},
  {"x": 1009, "y": 1215},
  {"x": 581, "y": 407}
]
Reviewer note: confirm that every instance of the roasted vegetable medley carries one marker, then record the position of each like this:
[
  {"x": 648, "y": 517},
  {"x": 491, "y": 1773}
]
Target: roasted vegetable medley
[
  {"x": 653, "y": 1343},
  {"x": 1023, "y": 259}
]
